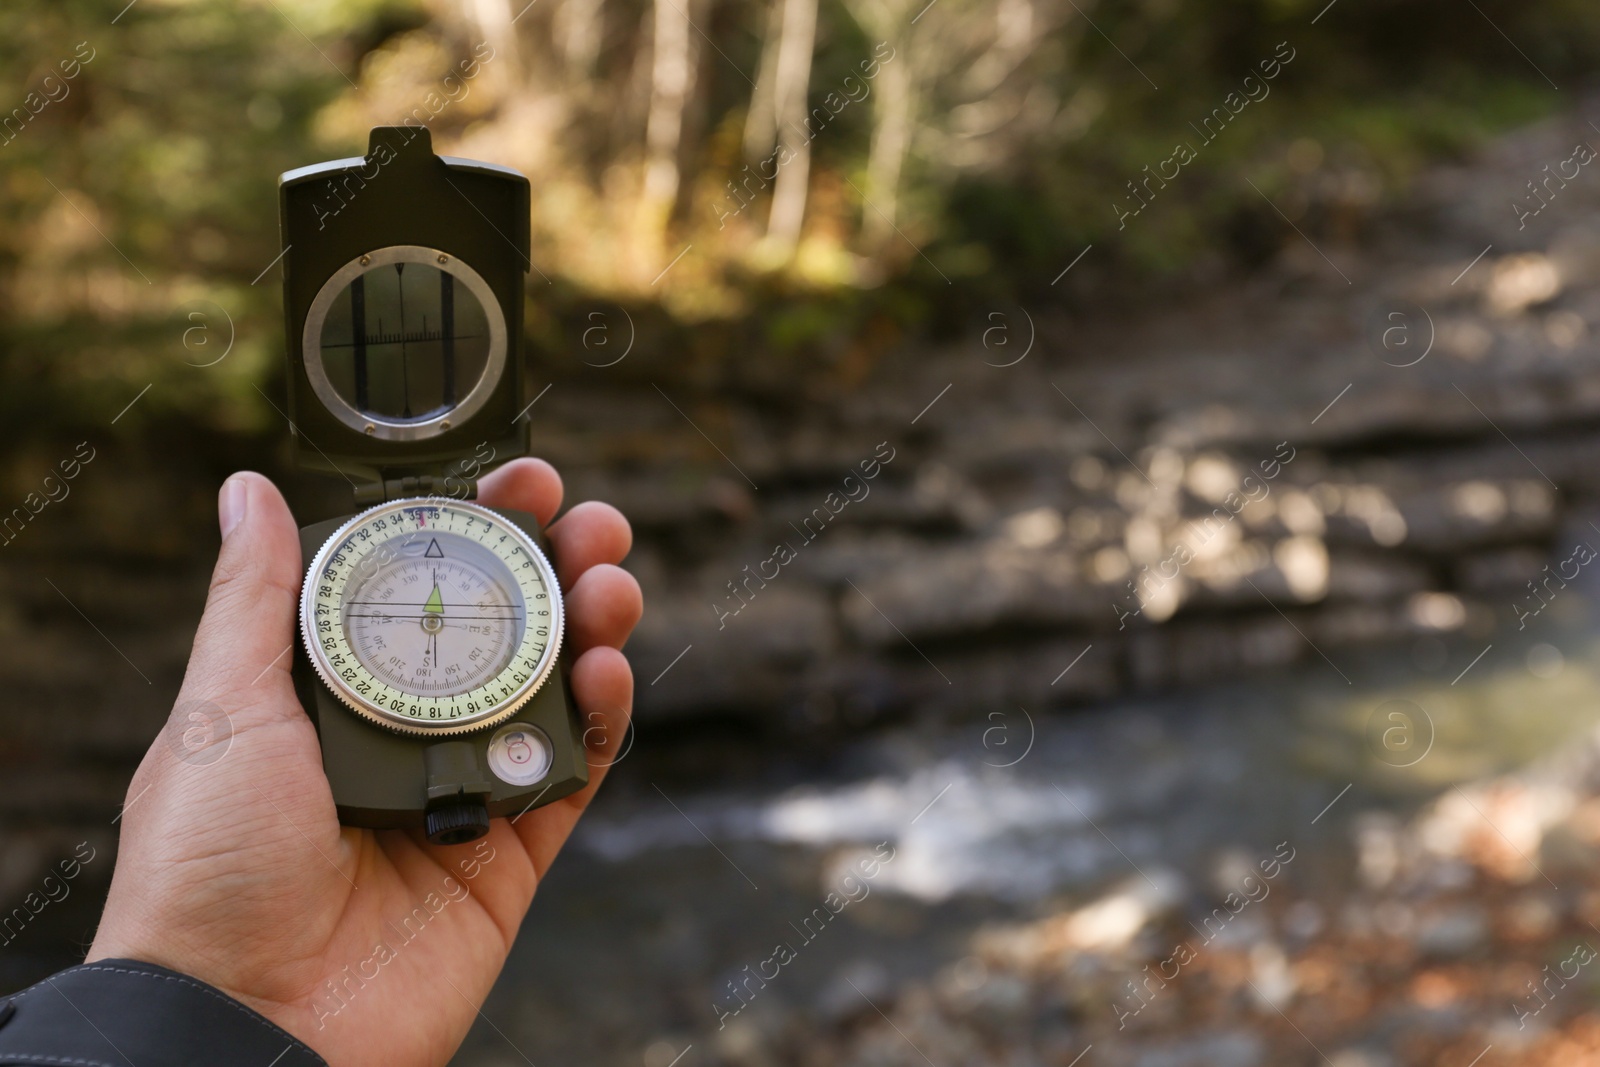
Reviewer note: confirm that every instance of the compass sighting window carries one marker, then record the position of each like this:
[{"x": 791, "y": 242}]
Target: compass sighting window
[
  {"x": 404, "y": 343},
  {"x": 399, "y": 339}
]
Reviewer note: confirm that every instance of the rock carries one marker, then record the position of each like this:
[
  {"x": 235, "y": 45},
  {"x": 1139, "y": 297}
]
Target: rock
[
  {"x": 1479, "y": 512},
  {"x": 1498, "y": 826},
  {"x": 942, "y": 593},
  {"x": 1272, "y": 979},
  {"x": 845, "y": 995},
  {"x": 1231, "y": 1048},
  {"x": 1105, "y": 925},
  {"x": 753, "y": 660},
  {"x": 1031, "y": 674},
  {"x": 1185, "y": 652},
  {"x": 1299, "y": 570},
  {"x": 1362, "y": 1057},
  {"x": 1453, "y": 931},
  {"x": 658, "y": 500},
  {"x": 1517, "y": 282},
  {"x": 1502, "y": 572}
]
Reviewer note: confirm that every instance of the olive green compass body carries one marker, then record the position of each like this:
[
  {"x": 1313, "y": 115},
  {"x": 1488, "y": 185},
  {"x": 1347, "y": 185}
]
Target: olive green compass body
[{"x": 431, "y": 626}]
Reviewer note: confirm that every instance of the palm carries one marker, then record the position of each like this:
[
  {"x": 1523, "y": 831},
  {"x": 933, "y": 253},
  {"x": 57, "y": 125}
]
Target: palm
[{"x": 330, "y": 931}]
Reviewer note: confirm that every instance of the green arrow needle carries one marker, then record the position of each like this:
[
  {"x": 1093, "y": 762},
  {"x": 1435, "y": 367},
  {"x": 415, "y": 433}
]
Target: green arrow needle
[{"x": 435, "y": 602}]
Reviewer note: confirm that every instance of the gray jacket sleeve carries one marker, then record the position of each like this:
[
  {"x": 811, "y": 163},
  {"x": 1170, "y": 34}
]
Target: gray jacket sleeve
[{"x": 117, "y": 1013}]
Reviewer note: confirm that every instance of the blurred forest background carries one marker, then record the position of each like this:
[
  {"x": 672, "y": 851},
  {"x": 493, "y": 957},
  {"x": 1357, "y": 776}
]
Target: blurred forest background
[
  {"x": 996, "y": 140},
  {"x": 769, "y": 240}
]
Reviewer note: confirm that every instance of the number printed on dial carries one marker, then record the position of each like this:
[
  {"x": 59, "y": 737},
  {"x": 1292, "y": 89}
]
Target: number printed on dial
[{"x": 431, "y": 616}]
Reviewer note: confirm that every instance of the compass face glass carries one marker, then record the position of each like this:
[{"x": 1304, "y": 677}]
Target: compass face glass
[
  {"x": 404, "y": 342},
  {"x": 399, "y": 339},
  {"x": 431, "y": 617}
]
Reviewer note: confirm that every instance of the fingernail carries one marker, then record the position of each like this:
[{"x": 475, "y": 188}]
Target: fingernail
[{"x": 231, "y": 504}]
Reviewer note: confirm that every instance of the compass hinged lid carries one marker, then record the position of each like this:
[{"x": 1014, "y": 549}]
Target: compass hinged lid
[{"x": 402, "y": 291}]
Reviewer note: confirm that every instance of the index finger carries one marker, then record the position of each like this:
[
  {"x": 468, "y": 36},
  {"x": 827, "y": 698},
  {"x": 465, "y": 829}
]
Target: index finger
[{"x": 524, "y": 485}]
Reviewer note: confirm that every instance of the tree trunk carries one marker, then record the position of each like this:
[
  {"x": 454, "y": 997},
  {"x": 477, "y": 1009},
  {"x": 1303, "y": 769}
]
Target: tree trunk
[
  {"x": 790, "y": 89},
  {"x": 494, "y": 19},
  {"x": 761, "y": 122},
  {"x": 891, "y": 137},
  {"x": 671, "y": 81},
  {"x": 577, "y": 30}
]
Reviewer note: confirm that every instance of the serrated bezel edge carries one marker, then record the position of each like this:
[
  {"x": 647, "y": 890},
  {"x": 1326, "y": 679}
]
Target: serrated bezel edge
[{"x": 336, "y": 685}]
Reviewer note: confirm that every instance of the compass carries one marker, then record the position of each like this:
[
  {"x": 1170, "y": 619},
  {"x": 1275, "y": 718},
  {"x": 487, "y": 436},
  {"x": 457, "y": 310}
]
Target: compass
[
  {"x": 431, "y": 618},
  {"x": 431, "y": 625}
]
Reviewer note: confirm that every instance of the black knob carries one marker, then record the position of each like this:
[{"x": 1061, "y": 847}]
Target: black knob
[{"x": 458, "y": 823}]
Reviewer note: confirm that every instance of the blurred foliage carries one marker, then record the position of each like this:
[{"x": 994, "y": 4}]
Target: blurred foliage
[{"x": 982, "y": 145}]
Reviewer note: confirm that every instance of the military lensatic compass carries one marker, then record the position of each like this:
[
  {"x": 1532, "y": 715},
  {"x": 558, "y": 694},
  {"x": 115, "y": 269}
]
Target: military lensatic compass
[{"x": 431, "y": 625}]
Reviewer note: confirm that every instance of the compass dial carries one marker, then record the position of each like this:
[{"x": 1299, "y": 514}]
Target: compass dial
[{"x": 431, "y": 616}]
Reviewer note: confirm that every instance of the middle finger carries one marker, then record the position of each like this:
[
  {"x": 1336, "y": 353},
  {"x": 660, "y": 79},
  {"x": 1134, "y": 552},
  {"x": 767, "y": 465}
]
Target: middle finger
[{"x": 589, "y": 534}]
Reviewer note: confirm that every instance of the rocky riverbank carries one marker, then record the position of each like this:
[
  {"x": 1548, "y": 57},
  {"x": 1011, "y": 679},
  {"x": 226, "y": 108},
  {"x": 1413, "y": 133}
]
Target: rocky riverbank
[{"x": 1365, "y": 444}]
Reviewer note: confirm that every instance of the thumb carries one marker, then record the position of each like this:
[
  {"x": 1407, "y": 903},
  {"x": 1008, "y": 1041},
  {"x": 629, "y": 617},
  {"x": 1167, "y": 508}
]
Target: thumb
[{"x": 243, "y": 648}]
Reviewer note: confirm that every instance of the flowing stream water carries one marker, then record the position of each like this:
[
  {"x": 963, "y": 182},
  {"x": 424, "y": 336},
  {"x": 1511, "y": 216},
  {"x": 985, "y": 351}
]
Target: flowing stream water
[{"x": 676, "y": 883}]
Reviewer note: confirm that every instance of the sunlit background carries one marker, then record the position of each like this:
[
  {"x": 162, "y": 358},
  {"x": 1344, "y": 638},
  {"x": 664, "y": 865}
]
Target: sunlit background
[{"x": 1211, "y": 650}]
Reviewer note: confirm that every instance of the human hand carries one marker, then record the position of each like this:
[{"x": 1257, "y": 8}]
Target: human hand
[{"x": 237, "y": 872}]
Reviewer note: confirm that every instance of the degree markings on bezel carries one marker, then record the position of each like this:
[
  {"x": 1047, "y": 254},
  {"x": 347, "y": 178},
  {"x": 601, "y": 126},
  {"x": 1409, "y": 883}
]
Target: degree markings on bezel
[{"x": 335, "y": 657}]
